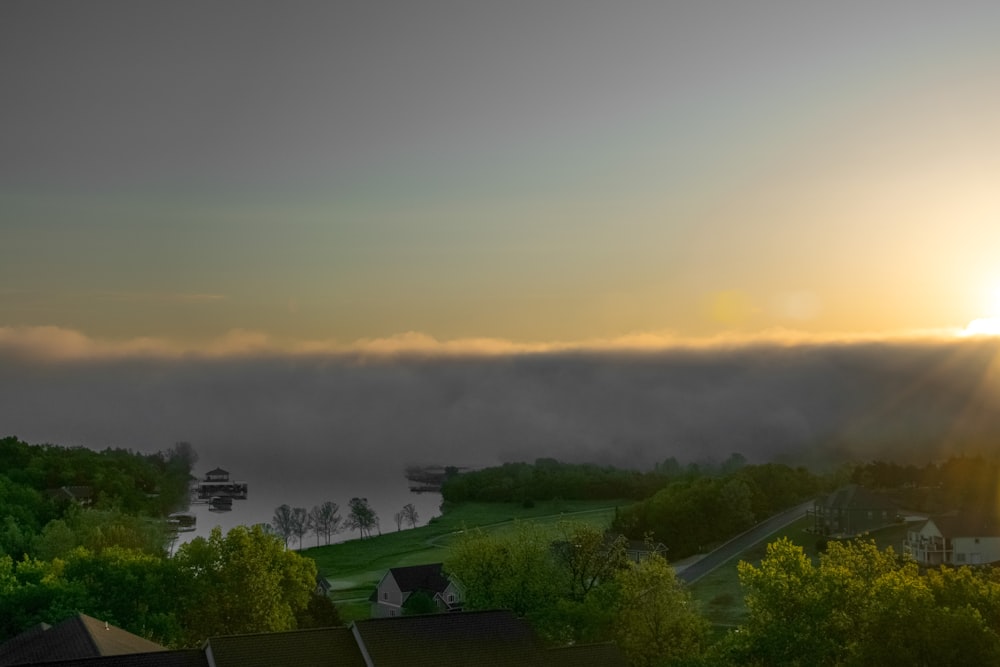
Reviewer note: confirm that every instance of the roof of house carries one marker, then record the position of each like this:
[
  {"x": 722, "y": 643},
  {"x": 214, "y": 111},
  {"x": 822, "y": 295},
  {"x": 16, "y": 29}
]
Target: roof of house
[
  {"x": 586, "y": 655},
  {"x": 77, "y": 637},
  {"x": 967, "y": 525},
  {"x": 482, "y": 638},
  {"x": 217, "y": 471},
  {"x": 296, "y": 648},
  {"x": 80, "y": 493},
  {"x": 430, "y": 578},
  {"x": 179, "y": 658},
  {"x": 856, "y": 497}
]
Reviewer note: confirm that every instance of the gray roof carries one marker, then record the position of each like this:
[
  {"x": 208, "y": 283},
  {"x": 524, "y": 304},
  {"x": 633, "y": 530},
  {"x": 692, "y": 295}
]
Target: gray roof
[
  {"x": 968, "y": 525},
  {"x": 181, "y": 658},
  {"x": 856, "y": 497},
  {"x": 586, "y": 655},
  {"x": 482, "y": 638},
  {"x": 79, "y": 636},
  {"x": 320, "y": 647},
  {"x": 429, "y": 578}
]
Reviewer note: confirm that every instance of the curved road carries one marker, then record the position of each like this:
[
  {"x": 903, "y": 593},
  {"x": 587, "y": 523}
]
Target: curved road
[{"x": 741, "y": 543}]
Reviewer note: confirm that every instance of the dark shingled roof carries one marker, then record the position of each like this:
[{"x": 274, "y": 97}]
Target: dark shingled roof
[
  {"x": 968, "y": 525},
  {"x": 182, "y": 658},
  {"x": 853, "y": 496},
  {"x": 321, "y": 647},
  {"x": 457, "y": 639},
  {"x": 80, "y": 636},
  {"x": 586, "y": 655},
  {"x": 429, "y": 578}
]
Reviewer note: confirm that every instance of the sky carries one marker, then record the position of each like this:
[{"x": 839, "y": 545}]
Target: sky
[
  {"x": 237, "y": 177},
  {"x": 322, "y": 241}
]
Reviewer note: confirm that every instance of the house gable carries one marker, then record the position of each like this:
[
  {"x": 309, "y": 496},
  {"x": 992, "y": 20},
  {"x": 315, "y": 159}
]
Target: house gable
[{"x": 399, "y": 583}]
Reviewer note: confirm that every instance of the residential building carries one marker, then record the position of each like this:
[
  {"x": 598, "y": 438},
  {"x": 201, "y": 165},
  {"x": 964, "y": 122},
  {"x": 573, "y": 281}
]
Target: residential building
[
  {"x": 964, "y": 539},
  {"x": 399, "y": 583},
  {"x": 494, "y": 638},
  {"x": 79, "y": 636},
  {"x": 852, "y": 510}
]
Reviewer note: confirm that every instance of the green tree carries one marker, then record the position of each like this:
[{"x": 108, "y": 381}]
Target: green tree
[
  {"x": 243, "y": 582},
  {"x": 862, "y": 606},
  {"x": 587, "y": 557},
  {"x": 419, "y": 602},
  {"x": 656, "y": 621},
  {"x": 515, "y": 571}
]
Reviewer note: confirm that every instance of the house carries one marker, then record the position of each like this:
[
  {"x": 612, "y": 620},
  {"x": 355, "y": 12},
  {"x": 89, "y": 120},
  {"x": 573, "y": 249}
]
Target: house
[
  {"x": 852, "y": 510},
  {"x": 217, "y": 484},
  {"x": 81, "y": 495},
  {"x": 294, "y": 648},
  {"x": 399, "y": 583},
  {"x": 444, "y": 640},
  {"x": 639, "y": 550},
  {"x": 965, "y": 539},
  {"x": 79, "y": 636},
  {"x": 217, "y": 475},
  {"x": 494, "y": 638}
]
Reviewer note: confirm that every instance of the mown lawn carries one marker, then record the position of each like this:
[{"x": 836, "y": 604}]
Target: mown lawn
[
  {"x": 719, "y": 592},
  {"x": 355, "y": 567}
]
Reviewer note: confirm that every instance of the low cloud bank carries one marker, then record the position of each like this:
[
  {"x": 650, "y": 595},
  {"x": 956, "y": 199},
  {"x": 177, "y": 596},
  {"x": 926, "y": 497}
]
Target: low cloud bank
[
  {"x": 349, "y": 415},
  {"x": 49, "y": 344}
]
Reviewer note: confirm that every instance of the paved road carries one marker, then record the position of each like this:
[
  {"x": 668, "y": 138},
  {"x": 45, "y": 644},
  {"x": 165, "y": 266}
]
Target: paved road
[{"x": 741, "y": 543}]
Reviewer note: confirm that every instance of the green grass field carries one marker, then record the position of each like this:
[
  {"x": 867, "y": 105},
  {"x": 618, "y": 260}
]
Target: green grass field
[
  {"x": 719, "y": 592},
  {"x": 355, "y": 567}
]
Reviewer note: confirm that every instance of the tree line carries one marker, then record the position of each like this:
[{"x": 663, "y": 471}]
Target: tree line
[
  {"x": 548, "y": 479},
  {"x": 324, "y": 520},
  {"x": 578, "y": 586},
  {"x": 854, "y": 605},
  {"x": 689, "y": 515},
  {"x": 241, "y": 582},
  {"x": 120, "y": 483}
]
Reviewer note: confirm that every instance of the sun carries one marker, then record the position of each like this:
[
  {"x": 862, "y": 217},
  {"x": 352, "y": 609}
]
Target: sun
[
  {"x": 983, "y": 326},
  {"x": 989, "y": 325}
]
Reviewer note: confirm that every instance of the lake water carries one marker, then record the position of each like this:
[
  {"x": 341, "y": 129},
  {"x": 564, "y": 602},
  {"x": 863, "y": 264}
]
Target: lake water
[{"x": 386, "y": 494}]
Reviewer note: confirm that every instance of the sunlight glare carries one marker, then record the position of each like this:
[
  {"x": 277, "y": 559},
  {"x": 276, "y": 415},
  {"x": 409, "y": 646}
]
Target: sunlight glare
[{"x": 984, "y": 326}]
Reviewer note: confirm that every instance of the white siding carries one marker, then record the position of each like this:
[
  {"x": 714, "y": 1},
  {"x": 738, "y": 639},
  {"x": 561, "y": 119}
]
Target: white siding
[{"x": 976, "y": 550}]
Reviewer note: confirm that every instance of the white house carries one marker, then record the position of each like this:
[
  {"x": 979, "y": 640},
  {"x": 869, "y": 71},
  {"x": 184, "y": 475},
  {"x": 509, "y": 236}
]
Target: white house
[
  {"x": 399, "y": 583},
  {"x": 954, "y": 540}
]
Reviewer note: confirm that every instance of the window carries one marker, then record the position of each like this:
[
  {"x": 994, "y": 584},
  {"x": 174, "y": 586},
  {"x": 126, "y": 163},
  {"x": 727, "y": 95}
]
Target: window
[
  {"x": 960, "y": 558},
  {"x": 870, "y": 514},
  {"x": 385, "y": 596},
  {"x": 451, "y": 598},
  {"x": 392, "y": 612}
]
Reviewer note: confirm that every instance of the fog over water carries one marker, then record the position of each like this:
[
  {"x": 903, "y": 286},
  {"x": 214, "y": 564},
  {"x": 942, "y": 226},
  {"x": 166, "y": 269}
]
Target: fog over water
[{"x": 303, "y": 430}]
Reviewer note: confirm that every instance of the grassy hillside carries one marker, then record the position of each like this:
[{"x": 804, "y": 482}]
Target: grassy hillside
[{"x": 354, "y": 567}]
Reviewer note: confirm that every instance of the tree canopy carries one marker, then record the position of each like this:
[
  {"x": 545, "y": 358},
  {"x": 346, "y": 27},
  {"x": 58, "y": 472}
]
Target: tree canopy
[{"x": 863, "y": 606}]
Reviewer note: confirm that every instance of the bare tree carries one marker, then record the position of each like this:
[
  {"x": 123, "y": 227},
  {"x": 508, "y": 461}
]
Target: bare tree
[
  {"x": 330, "y": 512},
  {"x": 283, "y": 523},
  {"x": 361, "y": 517},
  {"x": 300, "y": 523},
  {"x": 314, "y": 522},
  {"x": 398, "y": 516},
  {"x": 410, "y": 515}
]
